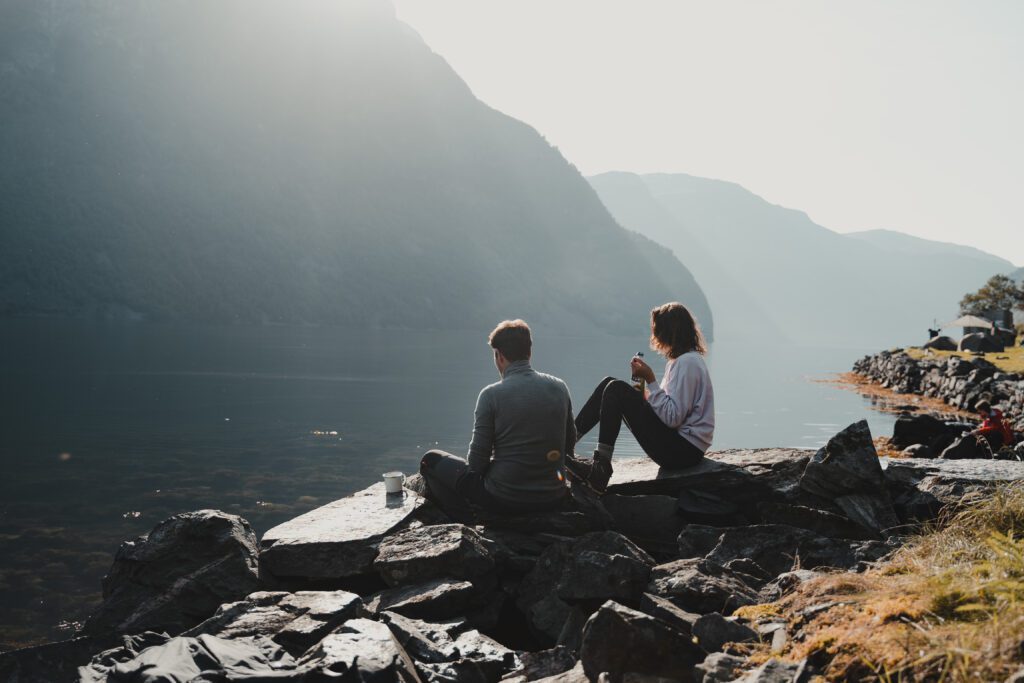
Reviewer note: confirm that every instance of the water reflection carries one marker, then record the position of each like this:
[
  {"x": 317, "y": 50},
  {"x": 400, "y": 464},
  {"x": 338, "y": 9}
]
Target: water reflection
[{"x": 108, "y": 429}]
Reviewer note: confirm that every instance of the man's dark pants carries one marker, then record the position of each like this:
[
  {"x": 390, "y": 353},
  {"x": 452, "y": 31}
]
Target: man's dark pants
[{"x": 460, "y": 491}]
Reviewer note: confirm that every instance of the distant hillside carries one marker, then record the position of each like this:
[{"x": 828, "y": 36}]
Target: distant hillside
[
  {"x": 1017, "y": 275},
  {"x": 817, "y": 286},
  {"x": 898, "y": 242},
  {"x": 631, "y": 203},
  {"x": 302, "y": 162}
]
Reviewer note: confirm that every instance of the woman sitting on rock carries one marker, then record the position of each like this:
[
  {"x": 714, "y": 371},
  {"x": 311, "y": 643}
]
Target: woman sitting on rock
[{"x": 673, "y": 421}]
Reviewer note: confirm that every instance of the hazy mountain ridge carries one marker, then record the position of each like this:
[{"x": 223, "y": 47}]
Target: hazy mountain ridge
[
  {"x": 312, "y": 162},
  {"x": 816, "y": 285},
  {"x": 631, "y": 203},
  {"x": 895, "y": 241}
]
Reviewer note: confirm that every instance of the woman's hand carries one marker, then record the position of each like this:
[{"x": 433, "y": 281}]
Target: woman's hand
[{"x": 641, "y": 369}]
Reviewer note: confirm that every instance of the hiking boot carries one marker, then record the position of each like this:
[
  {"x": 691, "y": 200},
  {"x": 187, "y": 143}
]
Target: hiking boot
[
  {"x": 577, "y": 468},
  {"x": 600, "y": 472}
]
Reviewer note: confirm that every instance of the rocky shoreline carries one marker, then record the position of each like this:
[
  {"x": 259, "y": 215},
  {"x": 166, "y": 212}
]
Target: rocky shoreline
[
  {"x": 960, "y": 382},
  {"x": 641, "y": 584}
]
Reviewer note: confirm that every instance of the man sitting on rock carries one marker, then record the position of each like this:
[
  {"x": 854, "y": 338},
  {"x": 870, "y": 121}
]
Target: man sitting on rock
[
  {"x": 523, "y": 428},
  {"x": 993, "y": 428}
]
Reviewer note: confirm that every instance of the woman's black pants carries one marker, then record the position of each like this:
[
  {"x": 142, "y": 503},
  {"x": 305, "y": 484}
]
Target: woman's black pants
[{"x": 614, "y": 402}]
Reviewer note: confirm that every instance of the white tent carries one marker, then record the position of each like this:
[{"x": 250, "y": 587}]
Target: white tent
[{"x": 969, "y": 321}]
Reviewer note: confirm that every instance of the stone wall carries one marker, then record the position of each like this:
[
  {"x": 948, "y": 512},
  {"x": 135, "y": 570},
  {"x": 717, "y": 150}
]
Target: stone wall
[{"x": 960, "y": 382}]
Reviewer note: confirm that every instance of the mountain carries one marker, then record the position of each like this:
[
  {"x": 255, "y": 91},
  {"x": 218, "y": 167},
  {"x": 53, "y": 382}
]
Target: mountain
[
  {"x": 756, "y": 260},
  {"x": 631, "y": 203},
  {"x": 302, "y": 162},
  {"x": 1017, "y": 275},
  {"x": 899, "y": 242}
]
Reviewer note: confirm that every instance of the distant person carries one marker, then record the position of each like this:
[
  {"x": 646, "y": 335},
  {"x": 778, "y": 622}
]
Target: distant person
[
  {"x": 993, "y": 428},
  {"x": 523, "y": 427},
  {"x": 673, "y": 422}
]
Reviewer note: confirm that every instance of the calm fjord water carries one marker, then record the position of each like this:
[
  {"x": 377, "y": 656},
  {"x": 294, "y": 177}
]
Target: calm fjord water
[{"x": 109, "y": 428}]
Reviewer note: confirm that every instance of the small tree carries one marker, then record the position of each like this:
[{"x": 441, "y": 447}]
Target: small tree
[{"x": 1000, "y": 293}]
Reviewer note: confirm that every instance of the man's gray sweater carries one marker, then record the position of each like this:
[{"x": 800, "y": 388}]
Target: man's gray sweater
[{"x": 523, "y": 428}]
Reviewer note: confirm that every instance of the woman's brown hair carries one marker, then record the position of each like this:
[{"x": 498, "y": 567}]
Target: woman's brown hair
[{"x": 674, "y": 331}]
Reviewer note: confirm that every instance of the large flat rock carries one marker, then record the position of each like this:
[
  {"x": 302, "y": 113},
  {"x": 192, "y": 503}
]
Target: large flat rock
[
  {"x": 337, "y": 540},
  {"x": 776, "y": 469},
  {"x": 923, "y": 487},
  {"x": 295, "y": 621},
  {"x": 993, "y": 471}
]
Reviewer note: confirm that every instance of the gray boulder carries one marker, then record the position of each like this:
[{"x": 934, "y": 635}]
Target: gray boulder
[
  {"x": 940, "y": 343},
  {"x": 918, "y": 450},
  {"x": 821, "y": 522},
  {"x": 573, "y": 675},
  {"x": 604, "y": 566},
  {"x": 773, "y": 671},
  {"x": 157, "y": 657},
  {"x": 57, "y": 661},
  {"x": 360, "y": 650},
  {"x": 922, "y": 488},
  {"x": 980, "y": 341},
  {"x": 430, "y": 552},
  {"x": 786, "y": 583},
  {"x": 777, "y": 548},
  {"x": 665, "y": 610},
  {"x": 618, "y": 640},
  {"x": 591, "y": 569},
  {"x": 848, "y": 463},
  {"x": 847, "y": 471},
  {"x": 698, "y": 586},
  {"x": 338, "y": 540},
  {"x": 545, "y": 663},
  {"x": 920, "y": 429},
  {"x": 434, "y": 600},
  {"x": 425, "y": 642},
  {"x": 537, "y": 598},
  {"x": 747, "y": 475},
  {"x": 177, "y": 575},
  {"x": 697, "y": 540},
  {"x": 718, "y": 667},
  {"x": 713, "y": 631},
  {"x": 295, "y": 621},
  {"x": 477, "y": 659},
  {"x": 650, "y": 521},
  {"x": 967, "y": 447},
  {"x": 704, "y": 507}
]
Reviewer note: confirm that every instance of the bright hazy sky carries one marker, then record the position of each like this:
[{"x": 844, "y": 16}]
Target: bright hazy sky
[{"x": 865, "y": 114}]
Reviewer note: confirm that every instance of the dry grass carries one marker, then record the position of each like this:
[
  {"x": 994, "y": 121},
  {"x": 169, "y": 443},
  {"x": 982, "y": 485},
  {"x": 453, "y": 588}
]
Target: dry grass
[
  {"x": 885, "y": 449},
  {"x": 1010, "y": 360},
  {"x": 948, "y": 607}
]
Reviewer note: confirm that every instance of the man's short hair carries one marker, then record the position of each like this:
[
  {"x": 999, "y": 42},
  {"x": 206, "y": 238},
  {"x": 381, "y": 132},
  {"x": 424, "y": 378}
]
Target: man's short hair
[{"x": 512, "y": 339}]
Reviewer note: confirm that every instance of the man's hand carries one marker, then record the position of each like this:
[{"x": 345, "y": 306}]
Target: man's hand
[{"x": 641, "y": 369}]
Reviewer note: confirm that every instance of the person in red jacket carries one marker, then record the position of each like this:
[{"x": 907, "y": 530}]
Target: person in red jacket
[{"x": 993, "y": 428}]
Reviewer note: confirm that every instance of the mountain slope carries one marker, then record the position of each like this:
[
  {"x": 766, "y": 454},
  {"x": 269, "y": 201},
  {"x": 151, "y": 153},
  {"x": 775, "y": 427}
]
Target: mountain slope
[
  {"x": 300, "y": 162},
  {"x": 898, "y": 242},
  {"x": 631, "y": 203},
  {"x": 818, "y": 286}
]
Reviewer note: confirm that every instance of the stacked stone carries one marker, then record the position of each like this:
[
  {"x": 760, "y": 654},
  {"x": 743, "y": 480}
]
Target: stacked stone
[
  {"x": 960, "y": 382},
  {"x": 642, "y": 583}
]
